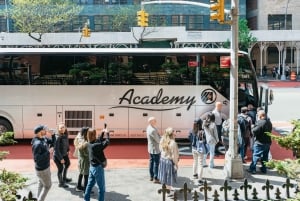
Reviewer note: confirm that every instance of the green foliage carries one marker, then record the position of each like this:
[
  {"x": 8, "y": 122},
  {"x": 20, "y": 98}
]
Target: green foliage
[
  {"x": 291, "y": 140},
  {"x": 10, "y": 183},
  {"x": 41, "y": 16},
  {"x": 7, "y": 138},
  {"x": 245, "y": 37},
  {"x": 3, "y": 154},
  {"x": 288, "y": 167}
]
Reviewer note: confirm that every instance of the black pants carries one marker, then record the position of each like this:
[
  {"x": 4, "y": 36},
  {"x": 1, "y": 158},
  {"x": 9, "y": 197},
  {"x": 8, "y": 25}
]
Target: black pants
[{"x": 62, "y": 168}]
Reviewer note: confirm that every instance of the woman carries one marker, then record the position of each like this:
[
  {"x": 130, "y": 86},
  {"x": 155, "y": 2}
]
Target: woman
[
  {"x": 97, "y": 163},
  {"x": 80, "y": 143},
  {"x": 167, "y": 171},
  {"x": 211, "y": 134},
  {"x": 61, "y": 155}
]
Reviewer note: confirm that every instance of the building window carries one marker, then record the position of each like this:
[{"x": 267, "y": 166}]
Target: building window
[
  {"x": 195, "y": 22},
  {"x": 178, "y": 20},
  {"x": 102, "y": 23},
  {"x": 157, "y": 20},
  {"x": 277, "y": 22}
]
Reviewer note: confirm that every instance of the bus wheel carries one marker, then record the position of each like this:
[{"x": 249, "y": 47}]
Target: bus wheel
[{"x": 5, "y": 126}]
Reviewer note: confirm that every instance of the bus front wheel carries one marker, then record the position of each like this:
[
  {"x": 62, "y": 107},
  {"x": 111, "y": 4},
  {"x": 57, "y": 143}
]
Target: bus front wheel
[{"x": 5, "y": 126}]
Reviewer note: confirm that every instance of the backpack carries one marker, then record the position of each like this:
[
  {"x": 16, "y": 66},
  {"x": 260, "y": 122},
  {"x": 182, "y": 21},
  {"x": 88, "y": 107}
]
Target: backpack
[
  {"x": 201, "y": 143},
  {"x": 243, "y": 127}
]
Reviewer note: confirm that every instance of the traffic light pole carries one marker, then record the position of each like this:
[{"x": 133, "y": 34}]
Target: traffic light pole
[{"x": 233, "y": 164}]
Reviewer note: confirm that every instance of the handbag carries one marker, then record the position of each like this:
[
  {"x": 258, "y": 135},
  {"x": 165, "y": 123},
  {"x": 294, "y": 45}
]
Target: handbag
[{"x": 201, "y": 143}]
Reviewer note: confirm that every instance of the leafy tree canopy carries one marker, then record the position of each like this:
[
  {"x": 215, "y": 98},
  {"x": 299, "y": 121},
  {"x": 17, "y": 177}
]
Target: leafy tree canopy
[{"x": 41, "y": 16}]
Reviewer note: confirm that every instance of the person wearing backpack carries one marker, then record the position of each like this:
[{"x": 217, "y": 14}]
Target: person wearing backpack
[
  {"x": 244, "y": 132},
  {"x": 196, "y": 134}
]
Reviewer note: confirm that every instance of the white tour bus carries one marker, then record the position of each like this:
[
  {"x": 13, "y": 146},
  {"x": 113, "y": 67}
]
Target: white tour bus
[{"x": 122, "y": 87}]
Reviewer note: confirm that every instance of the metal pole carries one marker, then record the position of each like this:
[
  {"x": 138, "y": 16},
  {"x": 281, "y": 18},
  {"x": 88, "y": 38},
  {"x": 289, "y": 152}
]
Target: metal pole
[
  {"x": 198, "y": 69},
  {"x": 233, "y": 163},
  {"x": 283, "y": 77},
  {"x": 7, "y": 20}
]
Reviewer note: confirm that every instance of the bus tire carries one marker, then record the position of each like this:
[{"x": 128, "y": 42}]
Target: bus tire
[{"x": 5, "y": 126}]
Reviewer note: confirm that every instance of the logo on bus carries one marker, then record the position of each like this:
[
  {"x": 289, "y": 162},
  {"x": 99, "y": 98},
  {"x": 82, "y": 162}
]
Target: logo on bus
[
  {"x": 208, "y": 96},
  {"x": 132, "y": 101}
]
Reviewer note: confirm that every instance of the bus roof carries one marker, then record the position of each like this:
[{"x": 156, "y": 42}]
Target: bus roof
[{"x": 111, "y": 51}]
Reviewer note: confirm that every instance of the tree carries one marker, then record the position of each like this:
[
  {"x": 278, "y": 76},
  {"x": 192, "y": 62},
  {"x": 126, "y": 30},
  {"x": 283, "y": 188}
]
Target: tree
[
  {"x": 289, "y": 167},
  {"x": 245, "y": 37},
  {"x": 41, "y": 16}
]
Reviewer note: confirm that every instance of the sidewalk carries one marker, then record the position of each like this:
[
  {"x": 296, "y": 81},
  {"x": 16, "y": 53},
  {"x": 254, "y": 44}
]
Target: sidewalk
[
  {"x": 279, "y": 83},
  {"x": 132, "y": 183}
]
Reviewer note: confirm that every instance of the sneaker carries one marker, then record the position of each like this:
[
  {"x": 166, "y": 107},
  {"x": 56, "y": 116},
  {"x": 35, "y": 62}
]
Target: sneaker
[
  {"x": 156, "y": 181},
  {"x": 79, "y": 189},
  {"x": 63, "y": 185},
  {"x": 251, "y": 171},
  {"x": 200, "y": 183},
  {"x": 151, "y": 179},
  {"x": 68, "y": 180},
  {"x": 195, "y": 176}
]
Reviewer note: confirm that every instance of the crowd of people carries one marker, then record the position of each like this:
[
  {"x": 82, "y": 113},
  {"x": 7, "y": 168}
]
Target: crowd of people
[
  {"x": 206, "y": 136},
  {"x": 91, "y": 159}
]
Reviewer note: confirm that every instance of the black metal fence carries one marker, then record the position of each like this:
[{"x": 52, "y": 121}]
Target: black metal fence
[
  {"x": 226, "y": 192},
  {"x": 246, "y": 191}
]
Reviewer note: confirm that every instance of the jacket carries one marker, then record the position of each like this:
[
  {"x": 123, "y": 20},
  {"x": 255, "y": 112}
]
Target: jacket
[
  {"x": 61, "y": 147},
  {"x": 40, "y": 152},
  {"x": 259, "y": 131},
  {"x": 96, "y": 150},
  {"x": 153, "y": 139}
]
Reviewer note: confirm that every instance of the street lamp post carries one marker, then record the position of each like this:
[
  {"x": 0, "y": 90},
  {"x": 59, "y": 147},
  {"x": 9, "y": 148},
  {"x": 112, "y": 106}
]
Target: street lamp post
[{"x": 233, "y": 164}]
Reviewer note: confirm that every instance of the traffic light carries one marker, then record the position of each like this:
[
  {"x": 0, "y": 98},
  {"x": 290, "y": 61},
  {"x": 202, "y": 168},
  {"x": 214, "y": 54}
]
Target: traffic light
[
  {"x": 84, "y": 31},
  {"x": 217, "y": 10},
  {"x": 88, "y": 32},
  {"x": 142, "y": 18}
]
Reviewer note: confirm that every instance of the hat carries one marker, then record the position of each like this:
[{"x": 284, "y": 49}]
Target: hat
[{"x": 39, "y": 128}]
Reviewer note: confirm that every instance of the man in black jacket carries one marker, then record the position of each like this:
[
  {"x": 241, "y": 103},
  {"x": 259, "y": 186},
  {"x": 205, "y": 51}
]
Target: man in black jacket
[
  {"x": 262, "y": 142},
  {"x": 41, "y": 155},
  {"x": 97, "y": 163}
]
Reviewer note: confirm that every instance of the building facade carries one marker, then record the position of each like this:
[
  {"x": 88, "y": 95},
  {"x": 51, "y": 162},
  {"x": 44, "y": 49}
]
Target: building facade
[
  {"x": 102, "y": 15},
  {"x": 276, "y": 26}
]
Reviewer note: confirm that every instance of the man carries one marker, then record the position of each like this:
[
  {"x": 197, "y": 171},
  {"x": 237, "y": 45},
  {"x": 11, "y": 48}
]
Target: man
[
  {"x": 262, "y": 142},
  {"x": 41, "y": 156},
  {"x": 219, "y": 118},
  {"x": 153, "y": 139},
  {"x": 244, "y": 132}
]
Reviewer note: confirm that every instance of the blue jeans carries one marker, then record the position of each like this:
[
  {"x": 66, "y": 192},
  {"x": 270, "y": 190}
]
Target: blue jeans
[
  {"x": 260, "y": 151},
  {"x": 96, "y": 175},
  {"x": 153, "y": 166}
]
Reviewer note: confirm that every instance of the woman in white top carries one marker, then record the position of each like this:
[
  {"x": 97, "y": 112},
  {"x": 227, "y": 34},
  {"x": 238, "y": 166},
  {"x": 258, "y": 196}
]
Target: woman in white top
[
  {"x": 167, "y": 171},
  {"x": 211, "y": 135}
]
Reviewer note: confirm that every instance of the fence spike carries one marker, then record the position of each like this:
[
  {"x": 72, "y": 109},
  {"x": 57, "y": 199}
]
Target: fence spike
[
  {"x": 245, "y": 187},
  {"x": 226, "y": 188}
]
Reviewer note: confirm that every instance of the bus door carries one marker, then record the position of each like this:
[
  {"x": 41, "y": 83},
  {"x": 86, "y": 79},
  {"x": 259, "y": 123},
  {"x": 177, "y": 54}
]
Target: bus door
[
  {"x": 76, "y": 117},
  {"x": 34, "y": 115},
  {"x": 264, "y": 97},
  {"x": 115, "y": 118},
  {"x": 138, "y": 121}
]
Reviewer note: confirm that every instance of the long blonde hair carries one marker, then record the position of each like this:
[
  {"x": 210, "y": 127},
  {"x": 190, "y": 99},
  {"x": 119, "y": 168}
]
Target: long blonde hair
[{"x": 167, "y": 137}]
